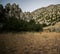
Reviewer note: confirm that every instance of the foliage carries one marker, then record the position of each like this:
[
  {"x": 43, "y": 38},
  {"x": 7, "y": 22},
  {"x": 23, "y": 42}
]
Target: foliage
[{"x": 12, "y": 23}]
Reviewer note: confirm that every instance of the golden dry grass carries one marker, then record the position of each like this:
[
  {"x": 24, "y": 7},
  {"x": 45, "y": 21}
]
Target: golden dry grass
[{"x": 30, "y": 43}]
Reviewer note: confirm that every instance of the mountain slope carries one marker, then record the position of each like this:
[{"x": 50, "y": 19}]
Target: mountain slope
[{"x": 49, "y": 15}]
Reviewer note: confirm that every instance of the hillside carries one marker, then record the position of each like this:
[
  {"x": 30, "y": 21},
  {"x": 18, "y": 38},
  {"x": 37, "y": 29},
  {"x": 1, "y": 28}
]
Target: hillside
[
  {"x": 13, "y": 18},
  {"x": 55, "y": 28},
  {"x": 49, "y": 15}
]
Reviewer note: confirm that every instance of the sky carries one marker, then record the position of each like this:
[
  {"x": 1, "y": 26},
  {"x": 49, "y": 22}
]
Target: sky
[{"x": 30, "y": 5}]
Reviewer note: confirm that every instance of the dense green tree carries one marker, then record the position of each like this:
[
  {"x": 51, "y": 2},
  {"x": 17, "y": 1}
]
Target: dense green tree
[{"x": 2, "y": 13}]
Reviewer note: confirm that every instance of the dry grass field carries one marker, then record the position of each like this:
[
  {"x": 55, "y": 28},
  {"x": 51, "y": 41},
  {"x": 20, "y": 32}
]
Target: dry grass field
[{"x": 30, "y": 43}]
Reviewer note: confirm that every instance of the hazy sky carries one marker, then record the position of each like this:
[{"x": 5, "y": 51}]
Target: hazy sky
[{"x": 30, "y": 5}]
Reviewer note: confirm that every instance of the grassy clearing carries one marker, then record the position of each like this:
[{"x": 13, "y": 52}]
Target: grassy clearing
[{"x": 30, "y": 43}]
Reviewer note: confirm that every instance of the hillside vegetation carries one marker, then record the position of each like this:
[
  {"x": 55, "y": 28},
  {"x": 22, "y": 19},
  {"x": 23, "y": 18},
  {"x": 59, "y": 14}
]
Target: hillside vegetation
[
  {"x": 49, "y": 15},
  {"x": 12, "y": 18}
]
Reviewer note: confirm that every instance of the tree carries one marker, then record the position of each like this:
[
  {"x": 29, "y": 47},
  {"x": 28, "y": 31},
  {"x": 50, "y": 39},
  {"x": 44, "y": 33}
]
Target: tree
[
  {"x": 1, "y": 13},
  {"x": 12, "y": 23}
]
